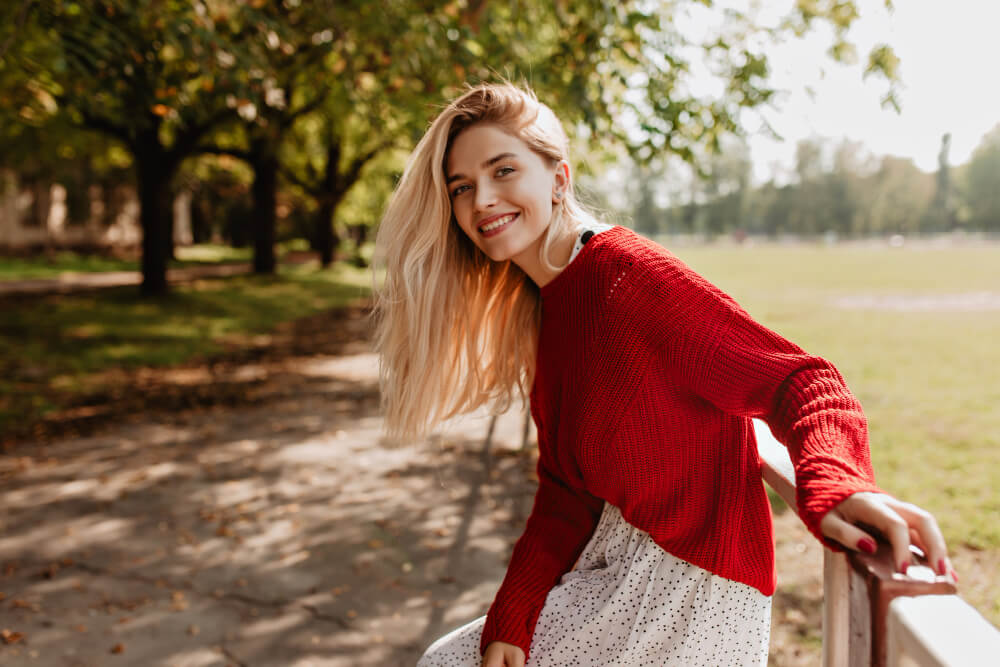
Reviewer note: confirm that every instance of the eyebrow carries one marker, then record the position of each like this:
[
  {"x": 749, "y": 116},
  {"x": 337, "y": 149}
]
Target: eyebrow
[{"x": 490, "y": 162}]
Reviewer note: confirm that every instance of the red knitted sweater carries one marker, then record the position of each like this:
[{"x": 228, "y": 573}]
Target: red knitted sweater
[{"x": 647, "y": 378}]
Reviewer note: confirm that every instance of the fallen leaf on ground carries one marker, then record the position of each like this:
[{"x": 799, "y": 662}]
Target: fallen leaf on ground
[
  {"x": 11, "y": 637},
  {"x": 118, "y": 648}
]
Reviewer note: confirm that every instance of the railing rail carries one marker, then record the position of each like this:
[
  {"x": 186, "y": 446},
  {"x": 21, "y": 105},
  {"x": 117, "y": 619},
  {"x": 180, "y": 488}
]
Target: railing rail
[{"x": 874, "y": 616}]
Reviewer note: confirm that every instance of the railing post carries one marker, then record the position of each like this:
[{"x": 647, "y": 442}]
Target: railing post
[
  {"x": 847, "y": 614},
  {"x": 877, "y": 584}
]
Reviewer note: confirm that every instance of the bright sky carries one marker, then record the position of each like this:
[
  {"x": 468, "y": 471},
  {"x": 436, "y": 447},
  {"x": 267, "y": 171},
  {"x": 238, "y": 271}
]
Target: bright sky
[{"x": 949, "y": 52}]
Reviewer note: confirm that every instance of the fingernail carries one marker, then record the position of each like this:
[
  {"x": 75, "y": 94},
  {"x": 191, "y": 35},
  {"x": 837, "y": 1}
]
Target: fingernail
[
  {"x": 867, "y": 545},
  {"x": 954, "y": 575},
  {"x": 903, "y": 566},
  {"x": 942, "y": 568}
]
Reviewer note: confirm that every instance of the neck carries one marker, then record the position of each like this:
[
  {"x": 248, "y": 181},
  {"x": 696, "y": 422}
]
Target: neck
[{"x": 531, "y": 263}]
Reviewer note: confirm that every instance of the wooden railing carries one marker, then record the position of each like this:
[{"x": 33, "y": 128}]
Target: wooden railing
[{"x": 873, "y": 616}]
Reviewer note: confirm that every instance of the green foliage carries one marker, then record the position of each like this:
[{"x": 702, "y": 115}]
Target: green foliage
[{"x": 353, "y": 79}]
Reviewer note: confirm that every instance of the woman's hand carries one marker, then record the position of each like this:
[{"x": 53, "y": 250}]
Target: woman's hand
[
  {"x": 899, "y": 522},
  {"x": 502, "y": 654}
]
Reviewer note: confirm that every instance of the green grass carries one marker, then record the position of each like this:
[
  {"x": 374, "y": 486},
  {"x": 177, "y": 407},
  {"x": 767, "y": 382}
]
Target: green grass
[
  {"x": 927, "y": 379},
  {"x": 52, "y": 266},
  {"x": 62, "y": 262},
  {"x": 55, "y": 344}
]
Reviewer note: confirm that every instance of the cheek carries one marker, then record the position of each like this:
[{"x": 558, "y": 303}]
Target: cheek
[{"x": 462, "y": 217}]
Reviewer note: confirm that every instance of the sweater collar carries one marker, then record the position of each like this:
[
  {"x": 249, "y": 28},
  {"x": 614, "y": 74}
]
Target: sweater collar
[{"x": 567, "y": 276}]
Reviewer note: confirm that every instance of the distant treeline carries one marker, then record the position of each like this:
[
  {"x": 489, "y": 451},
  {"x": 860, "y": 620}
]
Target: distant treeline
[{"x": 833, "y": 191}]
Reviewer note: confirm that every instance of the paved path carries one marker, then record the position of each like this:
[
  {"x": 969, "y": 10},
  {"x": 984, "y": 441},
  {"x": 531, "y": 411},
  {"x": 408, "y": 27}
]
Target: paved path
[{"x": 283, "y": 533}]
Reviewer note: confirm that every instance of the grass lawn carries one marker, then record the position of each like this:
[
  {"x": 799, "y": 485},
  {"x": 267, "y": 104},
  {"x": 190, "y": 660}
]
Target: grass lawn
[
  {"x": 926, "y": 375},
  {"x": 54, "y": 347},
  {"x": 66, "y": 261}
]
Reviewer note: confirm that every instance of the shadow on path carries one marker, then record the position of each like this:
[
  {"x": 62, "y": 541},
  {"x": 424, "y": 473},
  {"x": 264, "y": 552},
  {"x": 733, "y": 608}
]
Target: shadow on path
[{"x": 276, "y": 533}]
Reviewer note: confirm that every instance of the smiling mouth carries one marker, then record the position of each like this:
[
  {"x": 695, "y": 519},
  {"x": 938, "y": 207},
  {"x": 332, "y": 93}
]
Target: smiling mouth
[{"x": 495, "y": 227}]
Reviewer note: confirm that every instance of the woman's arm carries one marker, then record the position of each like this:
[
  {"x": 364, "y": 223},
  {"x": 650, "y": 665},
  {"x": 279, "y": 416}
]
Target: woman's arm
[
  {"x": 748, "y": 370},
  {"x": 561, "y": 522}
]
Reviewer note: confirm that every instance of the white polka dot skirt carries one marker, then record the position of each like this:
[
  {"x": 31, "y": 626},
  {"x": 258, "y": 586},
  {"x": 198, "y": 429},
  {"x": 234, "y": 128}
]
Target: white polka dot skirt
[{"x": 630, "y": 603}]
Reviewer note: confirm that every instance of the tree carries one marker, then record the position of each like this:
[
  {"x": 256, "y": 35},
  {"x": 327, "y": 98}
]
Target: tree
[
  {"x": 613, "y": 71},
  {"x": 288, "y": 56},
  {"x": 941, "y": 212},
  {"x": 982, "y": 183},
  {"x": 160, "y": 75},
  {"x": 900, "y": 196},
  {"x": 156, "y": 76}
]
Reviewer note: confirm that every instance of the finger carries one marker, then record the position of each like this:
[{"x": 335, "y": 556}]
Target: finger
[
  {"x": 877, "y": 513},
  {"x": 926, "y": 526},
  {"x": 850, "y": 536}
]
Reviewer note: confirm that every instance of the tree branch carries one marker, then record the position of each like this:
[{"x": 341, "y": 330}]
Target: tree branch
[
  {"x": 101, "y": 124},
  {"x": 289, "y": 175},
  {"x": 188, "y": 138},
  {"x": 213, "y": 149},
  {"x": 358, "y": 163},
  {"x": 312, "y": 105},
  {"x": 21, "y": 17}
]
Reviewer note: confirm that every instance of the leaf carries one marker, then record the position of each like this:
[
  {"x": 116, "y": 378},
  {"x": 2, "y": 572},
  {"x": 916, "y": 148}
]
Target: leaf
[
  {"x": 118, "y": 648},
  {"x": 11, "y": 637}
]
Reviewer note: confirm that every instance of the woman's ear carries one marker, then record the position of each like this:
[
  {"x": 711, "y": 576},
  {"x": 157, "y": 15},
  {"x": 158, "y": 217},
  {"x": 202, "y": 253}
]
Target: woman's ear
[{"x": 560, "y": 183}]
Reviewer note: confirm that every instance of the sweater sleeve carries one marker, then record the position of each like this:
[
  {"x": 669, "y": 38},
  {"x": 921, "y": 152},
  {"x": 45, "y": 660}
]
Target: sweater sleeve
[
  {"x": 745, "y": 369},
  {"x": 561, "y": 522}
]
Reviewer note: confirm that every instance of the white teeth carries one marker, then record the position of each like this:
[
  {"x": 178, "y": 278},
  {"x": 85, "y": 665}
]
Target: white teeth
[{"x": 498, "y": 222}]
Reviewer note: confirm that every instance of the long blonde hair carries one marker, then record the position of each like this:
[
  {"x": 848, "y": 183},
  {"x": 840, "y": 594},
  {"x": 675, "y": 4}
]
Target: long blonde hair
[{"x": 454, "y": 329}]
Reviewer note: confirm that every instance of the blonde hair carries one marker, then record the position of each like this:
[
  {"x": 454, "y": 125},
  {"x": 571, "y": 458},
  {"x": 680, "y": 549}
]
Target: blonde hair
[{"x": 454, "y": 329}]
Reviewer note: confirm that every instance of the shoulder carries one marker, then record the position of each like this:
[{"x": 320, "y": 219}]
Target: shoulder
[
  {"x": 646, "y": 268},
  {"x": 655, "y": 293}
]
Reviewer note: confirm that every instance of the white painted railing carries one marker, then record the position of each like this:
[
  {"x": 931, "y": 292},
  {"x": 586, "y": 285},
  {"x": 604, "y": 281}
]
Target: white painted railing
[{"x": 875, "y": 617}]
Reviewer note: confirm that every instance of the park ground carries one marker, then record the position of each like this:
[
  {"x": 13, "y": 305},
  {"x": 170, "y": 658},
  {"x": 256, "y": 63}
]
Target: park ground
[{"x": 248, "y": 512}]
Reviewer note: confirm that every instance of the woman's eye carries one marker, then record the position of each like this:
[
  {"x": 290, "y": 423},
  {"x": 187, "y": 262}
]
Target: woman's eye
[
  {"x": 503, "y": 171},
  {"x": 459, "y": 190}
]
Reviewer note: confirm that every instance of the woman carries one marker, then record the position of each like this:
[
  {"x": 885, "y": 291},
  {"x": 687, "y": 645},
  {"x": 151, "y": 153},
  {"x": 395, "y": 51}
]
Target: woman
[{"x": 650, "y": 540}]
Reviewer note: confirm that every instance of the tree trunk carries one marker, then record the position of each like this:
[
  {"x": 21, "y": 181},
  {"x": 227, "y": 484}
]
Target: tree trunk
[
  {"x": 155, "y": 213},
  {"x": 171, "y": 230},
  {"x": 326, "y": 239},
  {"x": 263, "y": 216}
]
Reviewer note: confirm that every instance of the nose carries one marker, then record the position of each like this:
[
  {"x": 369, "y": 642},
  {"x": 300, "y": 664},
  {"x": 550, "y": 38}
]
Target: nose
[{"x": 485, "y": 197}]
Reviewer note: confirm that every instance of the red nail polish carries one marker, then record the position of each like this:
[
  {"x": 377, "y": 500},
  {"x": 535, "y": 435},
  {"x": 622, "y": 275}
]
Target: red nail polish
[
  {"x": 867, "y": 545},
  {"x": 903, "y": 566},
  {"x": 954, "y": 575},
  {"x": 942, "y": 568}
]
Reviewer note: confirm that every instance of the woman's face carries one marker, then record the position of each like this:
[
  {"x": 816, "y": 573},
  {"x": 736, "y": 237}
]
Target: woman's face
[{"x": 502, "y": 192}]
